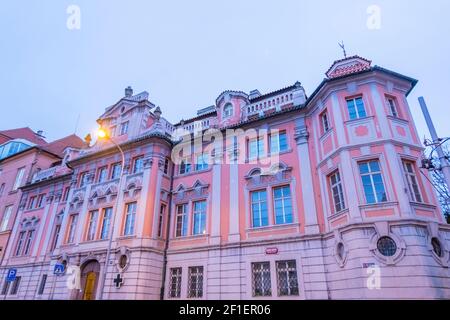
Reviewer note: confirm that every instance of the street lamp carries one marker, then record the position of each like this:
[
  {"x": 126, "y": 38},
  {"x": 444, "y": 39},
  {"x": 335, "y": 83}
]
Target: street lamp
[{"x": 104, "y": 135}]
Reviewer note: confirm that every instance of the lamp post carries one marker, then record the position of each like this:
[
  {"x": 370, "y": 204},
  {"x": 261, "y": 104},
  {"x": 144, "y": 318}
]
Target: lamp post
[{"x": 102, "y": 134}]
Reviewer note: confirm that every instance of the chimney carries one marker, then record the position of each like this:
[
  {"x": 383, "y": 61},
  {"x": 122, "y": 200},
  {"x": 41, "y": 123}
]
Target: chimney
[
  {"x": 40, "y": 133},
  {"x": 254, "y": 94},
  {"x": 128, "y": 92}
]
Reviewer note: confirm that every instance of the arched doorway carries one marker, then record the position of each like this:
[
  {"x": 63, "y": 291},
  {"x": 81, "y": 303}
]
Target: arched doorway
[{"x": 90, "y": 273}]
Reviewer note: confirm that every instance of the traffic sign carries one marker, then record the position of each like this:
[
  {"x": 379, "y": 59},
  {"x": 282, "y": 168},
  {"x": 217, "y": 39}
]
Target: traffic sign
[
  {"x": 11, "y": 276},
  {"x": 59, "y": 269}
]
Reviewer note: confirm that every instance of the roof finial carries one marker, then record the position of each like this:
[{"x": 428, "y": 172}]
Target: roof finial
[{"x": 342, "y": 45}]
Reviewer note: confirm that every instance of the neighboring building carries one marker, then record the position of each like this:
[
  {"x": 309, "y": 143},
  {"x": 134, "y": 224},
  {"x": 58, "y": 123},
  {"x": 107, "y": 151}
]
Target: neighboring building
[{"x": 326, "y": 194}]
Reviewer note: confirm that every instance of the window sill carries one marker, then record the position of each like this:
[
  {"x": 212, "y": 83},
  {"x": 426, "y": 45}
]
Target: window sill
[
  {"x": 191, "y": 237},
  {"x": 326, "y": 134},
  {"x": 338, "y": 214},
  {"x": 180, "y": 175},
  {"x": 391, "y": 117},
  {"x": 379, "y": 205},
  {"x": 422, "y": 204},
  {"x": 272, "y": 227},
  {"x": 351, "y": 121}
]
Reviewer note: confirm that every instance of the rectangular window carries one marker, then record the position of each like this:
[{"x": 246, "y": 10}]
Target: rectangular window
[
  {"x": 5, "y": 288},
  {"x": 256, "y": 148},
  {"x": 185, "y": 166},
  {"x": 202, "y": 162},
  {"x": 325, "y": 123},
  {"x": 112, "y": 131},
  {"x": 55, "y": 237},
  {"x": 282, "y": 205},
  {"x": 15, "y": 286},
  {"x": 162, "y": 212},
  {"x": 32, "y": 203},
  {"x": 6, "y": 218},
  {"x": 181, "y": 230},
  {"x": 195, "y": 285},
  {"x": 102, "y": 174},
  {"x": 392, "y": 106},
  {"x": 116, "y": 170},
  {"x": 19, "y": 178},
  {"x": 175, "y": 283},
  {"x": 129, "y": 218},
  {"x": 337, "y": 192},
  {"x": 287, "y": 278},
  {"x": 199, "y": 217},
  {"x": 106, "y": 222},
  {"x": 20, "y": 241},
  {"x": 372, "y": 181},
  {"x": 40, "y": 201},
  {"x": 261, "y": 279},
  {"x": 83, "y": 179},
  {"x": 28, "y": 242},
  {"x": 166, "y": 166},
  {"x": 138, "y": 165},
  {"x": 66, "y": 194},
  {"x": 413, "y": 186},
  {"x": 92, "y": 225},
  {"x": 72, "y": 228},
  {"x": 278, "y": 142},
  {"x": 356, "y": 109},
  {"x": 260, "y": 217},
  {"x": 124, "y": 128},
  {"x": 42, "y": 285}
]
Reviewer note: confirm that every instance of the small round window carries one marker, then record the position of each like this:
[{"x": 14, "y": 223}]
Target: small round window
[
  {"x": 123, "y": 261},
  {"x": 387, "y": 246},
  {"x": 340, "y": 250},
  {"x": 437, "y": 248}
]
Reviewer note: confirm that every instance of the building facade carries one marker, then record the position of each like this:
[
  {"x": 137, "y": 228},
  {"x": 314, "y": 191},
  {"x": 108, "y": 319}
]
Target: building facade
[{"x": 261, "y": 196}]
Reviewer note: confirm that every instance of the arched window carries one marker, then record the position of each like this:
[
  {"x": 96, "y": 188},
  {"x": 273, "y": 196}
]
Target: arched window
[{"x": 227, "y": 110}]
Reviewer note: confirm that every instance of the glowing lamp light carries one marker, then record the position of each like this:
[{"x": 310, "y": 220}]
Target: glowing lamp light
[{"x": 101, "y": 133}]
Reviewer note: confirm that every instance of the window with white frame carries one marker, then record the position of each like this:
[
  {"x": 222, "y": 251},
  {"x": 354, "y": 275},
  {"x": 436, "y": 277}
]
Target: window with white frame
[
  {"x": 138, "y": 165},
  {"x": 278, "y": 142},
  {"x": 130, "y": 218},
  {"x": 124, "y": 128},
  {"x": 92, "y": 225},
  {"x": 260, "y": 216},
  {"x": 256, "y": 148},
  {"x": 356, "y": 108},
  {"x": 199, "y": 216},
  {"x": 261, "y": 283},
  {"x": 19, "y": 178},
  {"x": 282, "y": 205},
  {"x": 72, "y": 227},
  {"x": 162, "y": 212},
  {"x": 411, "y": 179},
  {"x": 202, "y": 162},
  {"x": 337, "y": 192},
  {"x": 106, "y": 223},
  {"x": 102, "y": 174},
  {"x": 6, "y": 218},
  {"x": 185, "y": 166},
  {"x": 325, "y": 122},
  {"x": 116, "y": 170},
  {"x": 195, "y": 282},
  {"x": 181, "y": 221},
  {"x": 287, "y": 279},
  {"x": 372, "y": 181},
  {"x": 392, "y": 104},
  {"x": 175, "y": 283}
]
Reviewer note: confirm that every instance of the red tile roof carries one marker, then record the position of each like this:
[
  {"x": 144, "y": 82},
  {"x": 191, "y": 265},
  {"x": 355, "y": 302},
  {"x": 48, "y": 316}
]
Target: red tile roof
[
  {"x": 24, "y": 133},
  {"x": 58, "y": 146}
]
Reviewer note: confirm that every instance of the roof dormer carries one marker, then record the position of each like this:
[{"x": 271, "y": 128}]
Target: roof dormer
[
  {"x": 229, "y": 105},
  {"x": 347, "y": 66}
]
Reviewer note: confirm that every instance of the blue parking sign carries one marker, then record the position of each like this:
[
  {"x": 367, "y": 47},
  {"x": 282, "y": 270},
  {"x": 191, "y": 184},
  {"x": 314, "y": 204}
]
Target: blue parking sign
[
  {"x": 59, "y": 269},
  {"x": 11, "y": 276}
]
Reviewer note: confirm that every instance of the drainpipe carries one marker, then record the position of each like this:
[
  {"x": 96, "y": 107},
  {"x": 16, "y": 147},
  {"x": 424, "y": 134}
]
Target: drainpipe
[{"x": 166, "y": 246}]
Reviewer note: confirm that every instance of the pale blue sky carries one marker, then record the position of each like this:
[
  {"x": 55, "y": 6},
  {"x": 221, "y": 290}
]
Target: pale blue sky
[{"x": 185, "y": 53}]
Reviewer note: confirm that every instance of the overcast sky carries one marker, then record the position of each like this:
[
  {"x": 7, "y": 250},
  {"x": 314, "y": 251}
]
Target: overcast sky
[{"x": 185, "y": 53}]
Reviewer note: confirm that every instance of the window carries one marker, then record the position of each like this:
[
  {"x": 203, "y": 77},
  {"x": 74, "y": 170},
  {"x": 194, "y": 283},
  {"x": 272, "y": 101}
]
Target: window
[
  {"x": 66, "y": 194},
  {"x": 256, "y": 148},
  {"x": 40, "y": 201},
  {"x": 28, "y": 242},
  {"x": 413, "y": 186},
  {"x": 175, "y": 283},
  {"x": 278, "y": 142},
  {"x": 116, "y": 171},
  {"x": 2, "y": 188},
  {"x": 112, "y": 131},
  {"x": 92, "y": 225},
  {"x": 102, "y": 174},
  {"x": 185, "y": 166},
  {"x": 32, "y": 203},
  {"x": 84, "y": 179},
  {"x": 260, "y": 216},
  {"x": 372, "y": 181},
  {"x": 166, "y": 166},
  {"x": 124, "y": 128},
  {"x": 162, "y": 211},
  {"x": 138, "y": 165},
  {"x": 287, "y": 278},
  {"x": 437, "y": 248},
  {"x": 392, "y": 106},
  {"x": 5, "y": 288},
  {"x": 19, "y": 178},
  {"x": 195, "y": 285},
  {"x": 387, "y": 246},
  {"x": 261, "y": 279},
  {"x": 282, "y": 205},
  {"x": 42, "y": 284},
  {"x": 337, "y": 191},
  {"x": 325, "y": 123},
  {"x": 6, "y": 218},
  {"x": 356, "y": 108},
  {"x": 129, "y": 218},
  {"x": 72, "y": 228},
  {"x": 181, "y": 229},
  {"x": 227, "y": 110},
  {"x": 15, "y": 286},
  {"x": 202, "y": 162},
  {"x": 199, "y": 217},
  {"x": 20, "y": 241},
  {"x": 55, "y": 237},
  {"x": 106, "y": 222}
]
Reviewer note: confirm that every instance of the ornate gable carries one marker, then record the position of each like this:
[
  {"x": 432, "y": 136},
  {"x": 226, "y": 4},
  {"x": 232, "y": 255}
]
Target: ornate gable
[{"x": 348, "y": 66}]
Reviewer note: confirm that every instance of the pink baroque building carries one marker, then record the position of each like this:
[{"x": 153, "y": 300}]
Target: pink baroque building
[{"x": 261, "y": 196}]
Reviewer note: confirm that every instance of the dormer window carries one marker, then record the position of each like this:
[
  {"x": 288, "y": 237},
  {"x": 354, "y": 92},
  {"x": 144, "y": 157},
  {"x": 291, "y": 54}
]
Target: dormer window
[{"x": 227, "y": 110}]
